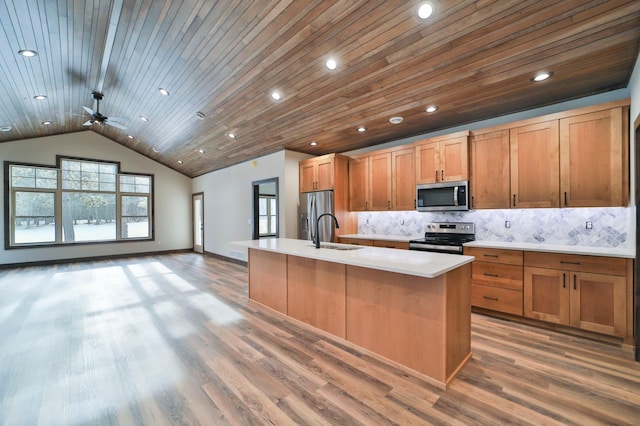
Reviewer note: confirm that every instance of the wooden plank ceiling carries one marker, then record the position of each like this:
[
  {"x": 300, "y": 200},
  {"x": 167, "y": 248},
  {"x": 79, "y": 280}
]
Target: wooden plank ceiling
[{"x": 474, "y": 59}]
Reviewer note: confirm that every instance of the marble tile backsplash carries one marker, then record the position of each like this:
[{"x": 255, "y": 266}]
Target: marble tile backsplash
[{"x": 566, "y": 226}]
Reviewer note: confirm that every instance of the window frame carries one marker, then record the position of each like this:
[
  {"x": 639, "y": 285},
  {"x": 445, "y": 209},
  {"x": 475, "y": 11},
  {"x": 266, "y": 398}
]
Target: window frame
[{"x": 9, "y": 202}]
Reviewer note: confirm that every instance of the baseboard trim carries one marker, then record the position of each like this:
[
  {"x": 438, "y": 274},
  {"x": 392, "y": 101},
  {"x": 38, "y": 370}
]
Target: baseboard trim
[{"x": 226, "y": 258}]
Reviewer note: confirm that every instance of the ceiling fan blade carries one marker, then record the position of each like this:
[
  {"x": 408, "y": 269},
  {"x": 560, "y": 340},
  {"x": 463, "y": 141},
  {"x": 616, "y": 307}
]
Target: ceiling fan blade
[
  {"x": 115, "y": 124},
  {"x": 122, "y": 120},
  {"x": 89, "y": 110},
  {"x": 87, "y": 123}
]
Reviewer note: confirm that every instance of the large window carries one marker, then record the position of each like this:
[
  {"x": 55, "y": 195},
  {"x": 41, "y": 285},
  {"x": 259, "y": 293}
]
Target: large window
[
  {"x": 78, "y": 201},
  {"x": 267, "y": 207}
]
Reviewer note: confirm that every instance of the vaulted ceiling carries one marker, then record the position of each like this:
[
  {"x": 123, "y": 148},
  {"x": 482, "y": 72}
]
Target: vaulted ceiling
[{"x": 223, "y": 59}]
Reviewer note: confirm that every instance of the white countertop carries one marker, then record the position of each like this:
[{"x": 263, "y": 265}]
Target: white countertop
[
  {"x": 418, "y": 263},
  {"x": 550, "y": 248}
]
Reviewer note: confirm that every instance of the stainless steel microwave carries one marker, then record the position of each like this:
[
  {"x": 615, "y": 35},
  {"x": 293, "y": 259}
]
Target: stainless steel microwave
[{"x": 443, "y": 196}]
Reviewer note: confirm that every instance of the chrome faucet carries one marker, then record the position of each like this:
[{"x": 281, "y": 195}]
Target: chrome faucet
[{"x": 318, "y": 224}]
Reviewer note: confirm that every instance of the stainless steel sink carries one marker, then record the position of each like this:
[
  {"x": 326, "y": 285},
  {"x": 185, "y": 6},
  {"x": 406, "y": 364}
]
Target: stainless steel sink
[{"x": 336, "y": 246}]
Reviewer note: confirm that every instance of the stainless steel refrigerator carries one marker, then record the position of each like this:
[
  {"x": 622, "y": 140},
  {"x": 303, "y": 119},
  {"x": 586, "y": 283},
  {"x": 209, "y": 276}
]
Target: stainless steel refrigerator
[{"x": 312, "y": 205}]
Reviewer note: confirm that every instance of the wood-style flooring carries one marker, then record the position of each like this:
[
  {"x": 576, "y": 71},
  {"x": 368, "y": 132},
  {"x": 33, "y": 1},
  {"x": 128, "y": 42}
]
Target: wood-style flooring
[{"x": 173, "y": 340}]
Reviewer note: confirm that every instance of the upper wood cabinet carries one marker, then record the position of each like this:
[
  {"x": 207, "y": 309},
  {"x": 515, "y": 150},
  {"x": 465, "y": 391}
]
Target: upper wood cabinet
[
  {"x": 577, "y": 158},
  {"x": 403, "y": 179},
  {"x": 383, "y": 180},
  {"x": 380, "y": 181},
  {"x": 359, "y": 184},
  {"x": 592, "y": 158},
  {"x": 535, "y": 165},
  {"x": 317, "y": 174},
  {"x": 490, "y": 170},
  {"x": 443, "y": 159}
]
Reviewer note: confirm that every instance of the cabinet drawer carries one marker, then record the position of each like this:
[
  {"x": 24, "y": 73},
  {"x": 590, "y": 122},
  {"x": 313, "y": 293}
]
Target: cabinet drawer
[
  {"x": 356, "y": 241},
  {"x": 391, "y": 244},
  {"x": 511, "y": 257},
  {"x": 497, "y": 275},
  {"x": 579, "y": 263},
  {"x": 496, "y": 299}
]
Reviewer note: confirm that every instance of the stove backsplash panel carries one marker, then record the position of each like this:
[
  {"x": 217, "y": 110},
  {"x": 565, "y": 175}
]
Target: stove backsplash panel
[{"x": 567, "y": 226}]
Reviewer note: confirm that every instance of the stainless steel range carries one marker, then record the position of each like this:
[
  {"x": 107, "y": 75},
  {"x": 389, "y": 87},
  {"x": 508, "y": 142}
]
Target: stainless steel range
[{"x": 445, "y": 237}]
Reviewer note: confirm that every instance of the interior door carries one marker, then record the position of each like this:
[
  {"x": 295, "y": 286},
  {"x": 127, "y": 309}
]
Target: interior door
[{"x": 198, "y": 223}]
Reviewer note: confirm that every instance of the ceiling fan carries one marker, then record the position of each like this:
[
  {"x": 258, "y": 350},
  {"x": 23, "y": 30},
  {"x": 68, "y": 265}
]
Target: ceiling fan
[{"x": 99, "y": 119}]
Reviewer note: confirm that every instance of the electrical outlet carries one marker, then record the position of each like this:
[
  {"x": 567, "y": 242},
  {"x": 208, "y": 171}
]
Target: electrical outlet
[
  {"x": 589, "y": 225},
  {"x": 507, "y": 224}
]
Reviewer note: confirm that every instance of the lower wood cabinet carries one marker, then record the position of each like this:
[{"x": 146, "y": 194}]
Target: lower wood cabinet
[
  {"x": 404, "y": 245},
  {"x": 572, "y": 294},
  {"x": 496, "y": 279}
]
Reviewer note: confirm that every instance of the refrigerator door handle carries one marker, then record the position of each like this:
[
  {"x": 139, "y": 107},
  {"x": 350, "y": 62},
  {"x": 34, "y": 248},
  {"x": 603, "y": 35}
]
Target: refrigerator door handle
[{"x": 312, "y": 216}]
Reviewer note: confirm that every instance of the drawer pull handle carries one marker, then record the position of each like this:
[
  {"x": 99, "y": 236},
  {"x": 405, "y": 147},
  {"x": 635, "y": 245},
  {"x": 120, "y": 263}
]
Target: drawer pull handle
[
  {"x": 566, "y": 262},
  {"x": 490, "y": 298},
  {"x": 491, "y": 275},
  {"x": 564, "y": 280},
  {"x": 491, "y": 255},
  {"x": 574, "y": 282}
]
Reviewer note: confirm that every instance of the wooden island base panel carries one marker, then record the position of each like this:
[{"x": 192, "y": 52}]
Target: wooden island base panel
[{"x": 420, "y": 323}]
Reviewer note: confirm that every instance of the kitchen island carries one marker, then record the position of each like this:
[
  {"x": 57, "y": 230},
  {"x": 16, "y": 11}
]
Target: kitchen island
[{"x": 409, "y": 307}]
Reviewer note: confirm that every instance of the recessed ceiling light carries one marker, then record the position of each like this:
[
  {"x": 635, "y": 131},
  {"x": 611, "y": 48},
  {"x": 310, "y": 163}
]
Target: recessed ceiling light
[
  {"x": 40, "y": 97},
  {"x": 332, "y": 64},
  {"x": 27, "y": 53},
  {"x": 313, "y": 143},
  {"x": 431, "y": 108},
  {"x": 276, "y": 95},
  {"x": 5, "y": 129},
  {"x": 362, "y": 129},
  {"x": 156, "y": 150},
  {"x": 541, "y": 76},
  {"x": 47, "y": 123},
  {"x": 201, "y": 151},
  {"x": 231, "y": 135},
  {"x": 199, "y": 115},
  {"x": 143, "y": 118},
  {"x": 396, "y": 120},
  {"x": 130, "y": 136},
  {"x": 425, "y": 10},
  {"x": 179, "y": 161},
  {"x": 163, "y": 91}
]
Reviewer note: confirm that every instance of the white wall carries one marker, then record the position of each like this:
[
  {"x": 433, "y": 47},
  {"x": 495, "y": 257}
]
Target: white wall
[
  {"x": 172, "y": 195},
  {"x": 228, "y": 200}
]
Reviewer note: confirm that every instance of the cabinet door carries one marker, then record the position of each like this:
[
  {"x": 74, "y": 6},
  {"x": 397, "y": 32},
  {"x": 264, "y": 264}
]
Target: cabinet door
[
  {"x": 535, "y": 165},
  {"x": 598, "y": 303},
  {"x": 428, "y": 163},
  {"x": 490, "y": 170},
  {"x": 403, "y": 180},
  {"x": 325, "y": 173},
  {"x": 591, "y": 172},
  {"x": 380, "y": 182},
  {"x": 359, "y": 184},
  {"x": 308, "y": 173},
  {"x": 454, "y": 159},
  {"x": 546, "y": 295}
]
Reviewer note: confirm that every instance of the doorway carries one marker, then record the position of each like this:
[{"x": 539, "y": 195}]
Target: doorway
[
  {"x": 265, "y": 209},
  {"x": 198, "y": 222}
]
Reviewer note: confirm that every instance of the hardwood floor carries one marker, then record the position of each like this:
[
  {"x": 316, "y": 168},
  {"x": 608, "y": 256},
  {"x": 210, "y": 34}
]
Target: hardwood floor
[{"x": 173, "y": 340}]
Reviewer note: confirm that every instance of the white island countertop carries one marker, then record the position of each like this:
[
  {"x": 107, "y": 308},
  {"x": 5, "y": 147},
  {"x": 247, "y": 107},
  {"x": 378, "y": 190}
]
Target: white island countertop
[{"x": 418, "y": 263}]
